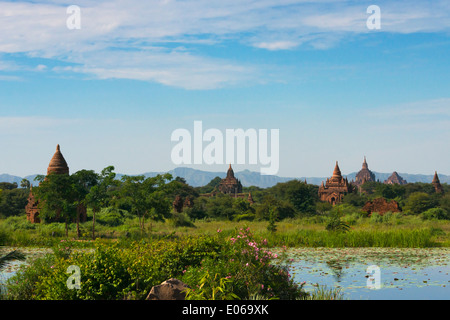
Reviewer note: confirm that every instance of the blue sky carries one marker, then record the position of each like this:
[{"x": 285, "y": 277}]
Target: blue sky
[{"x": 112, "y": 92}]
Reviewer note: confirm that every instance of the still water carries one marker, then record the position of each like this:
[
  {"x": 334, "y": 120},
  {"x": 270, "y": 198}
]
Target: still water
[{"x": 375, "y": 273}]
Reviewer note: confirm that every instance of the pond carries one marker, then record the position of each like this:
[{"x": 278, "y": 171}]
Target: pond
[
  {"x": 13, "y": 266},
  {"x": 375, "y": 273}
]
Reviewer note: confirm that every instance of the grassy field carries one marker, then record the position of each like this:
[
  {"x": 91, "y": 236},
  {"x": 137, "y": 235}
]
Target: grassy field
[{"x": 394, "y": 231}]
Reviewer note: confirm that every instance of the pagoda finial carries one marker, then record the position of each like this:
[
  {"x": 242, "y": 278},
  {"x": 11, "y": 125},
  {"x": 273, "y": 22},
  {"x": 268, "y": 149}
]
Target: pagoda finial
[
  {"x": 435, "y": 178},
  {"x": 337, "y": 171},
  {"x": 365, "y": 165},
  {"x": 57, "y": 148}
]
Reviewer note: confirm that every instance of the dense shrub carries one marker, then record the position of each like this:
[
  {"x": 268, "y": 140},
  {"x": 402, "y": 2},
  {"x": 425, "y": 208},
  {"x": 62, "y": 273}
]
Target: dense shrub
[
  {"x": 436, "y": 213},
  {"x": 114, "y": 272},
  {"x": 112, "y": 217},
  {"x": 419, "y": 202},
  {"x": 180, "y": 219},
  {"x": 243, "y": 269}
]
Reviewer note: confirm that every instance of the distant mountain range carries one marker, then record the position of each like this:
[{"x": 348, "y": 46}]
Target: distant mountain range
[{"x": 197, "y": 178}]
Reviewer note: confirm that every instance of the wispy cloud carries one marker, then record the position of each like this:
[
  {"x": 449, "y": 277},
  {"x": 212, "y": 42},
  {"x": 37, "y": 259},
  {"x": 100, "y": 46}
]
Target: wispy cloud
[
  {"x": 137, "y": 39},
  {"x": 435, "y": 107}
]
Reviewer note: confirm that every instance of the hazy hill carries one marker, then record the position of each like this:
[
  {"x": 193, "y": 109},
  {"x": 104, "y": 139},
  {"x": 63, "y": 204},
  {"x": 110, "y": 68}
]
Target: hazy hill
[{"x": 248, "y": 178}]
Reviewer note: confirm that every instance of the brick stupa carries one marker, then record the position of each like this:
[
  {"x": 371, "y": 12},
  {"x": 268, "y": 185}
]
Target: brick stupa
[
  {"x": 57, "y": 165},
  {"x": 335, "y": 188},
  {"x": 437, "y": 184},
  {"x": 395, "y": 178}
]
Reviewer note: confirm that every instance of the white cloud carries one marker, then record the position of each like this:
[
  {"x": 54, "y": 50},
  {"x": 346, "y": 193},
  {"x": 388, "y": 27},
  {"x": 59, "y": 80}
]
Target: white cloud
[
  {"x": 277, "y": 45},
  {"x": 120, "y": 39}
]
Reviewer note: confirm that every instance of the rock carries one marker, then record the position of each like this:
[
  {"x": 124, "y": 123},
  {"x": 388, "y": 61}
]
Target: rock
[{"x": 171, "y": 289}]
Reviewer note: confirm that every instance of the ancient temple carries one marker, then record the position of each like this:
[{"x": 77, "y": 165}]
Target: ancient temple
[
  {"x": 395, "y": 178},
  {"x": 437, "y": 184},
  {"x": 57, "y": 165},
  {"x": 32, "y": 208},
  {"x": 364, "y": 175},
  {"x": 335, "y": 187},
  {"x": 230, "y": 185}
]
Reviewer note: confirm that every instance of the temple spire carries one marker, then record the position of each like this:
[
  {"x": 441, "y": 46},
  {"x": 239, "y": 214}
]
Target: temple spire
[
  {"x": 230, "y": 172},
  {"x": 58, "y": 164},
  {"x": 437, "y": 184},
  {"x": 365, "y": 165},
  {"x": 337, "y": 171},
  {"x": 435, "y": 178}
]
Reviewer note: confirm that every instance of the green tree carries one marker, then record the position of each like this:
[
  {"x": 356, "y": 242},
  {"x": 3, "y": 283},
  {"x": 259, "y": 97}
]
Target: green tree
[
  {"x": 221, "y": 206},
  {"x": 83, "y": 181},
  {"x": 57, "y": 195},
  {"x": 357, "y": 200},
  {"x": 302, "y": 196},
  {"x": 419, "y": 202},
  {"x": 323, "y": 207},
  {"x": 444, "y": 202},
  {"x": 98, "y": 196},
  {"x": 8, "y": 185},
  {"x": 210, "y": 186},
  {"x": 389, "y": 191},
  {"x": 282, "y": 208},
  {"x": 25, "y": 184},
  {"x": 146, "y": 197},
  {"x": 13, "y": 202}
]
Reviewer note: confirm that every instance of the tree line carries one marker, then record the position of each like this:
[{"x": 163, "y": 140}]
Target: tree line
[{"x": 62, "y": 196}]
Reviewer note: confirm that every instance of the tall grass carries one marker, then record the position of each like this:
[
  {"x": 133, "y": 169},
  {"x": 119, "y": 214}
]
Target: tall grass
[
  {"x": 401, "y": 238},
  {"x": 322, "y": 292},
  {"x": 412, "y": 232}
]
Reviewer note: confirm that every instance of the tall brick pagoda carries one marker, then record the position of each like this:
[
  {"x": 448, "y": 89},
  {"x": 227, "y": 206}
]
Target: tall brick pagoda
[
  {"x": 395, "y": 178},
  {"x": 335, "y": 187},
  {"x": 364, "y": 175},
  {"x": 437, "y": 184},
  {"x": 58, "y": 164},
  {"x": 230, "y": 185}
]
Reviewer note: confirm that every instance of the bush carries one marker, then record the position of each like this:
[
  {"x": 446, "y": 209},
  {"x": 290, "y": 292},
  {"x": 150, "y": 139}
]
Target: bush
[
  {"x": 335, "y": 223},
  {"x": 112, "y": 217},
  {"x": 436, "y": 213},
  {"x": 18, "y": 223},
  {"x": 238, "y": 265},
  {"x": 244, "y": 217},
  {"x": 419, "y": 202},
  {"x": 243, "y": 270},
  {"x": 181, "y": 220}
]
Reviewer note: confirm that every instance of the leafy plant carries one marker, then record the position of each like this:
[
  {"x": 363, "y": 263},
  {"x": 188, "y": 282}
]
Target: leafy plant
[
  {"x": 336, "y": 224},
  {"x": 212, "y": 289}
]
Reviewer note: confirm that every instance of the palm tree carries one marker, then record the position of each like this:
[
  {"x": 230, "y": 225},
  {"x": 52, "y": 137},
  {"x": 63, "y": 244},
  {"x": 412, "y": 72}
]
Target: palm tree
[{"x": 14, "y": 255}]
